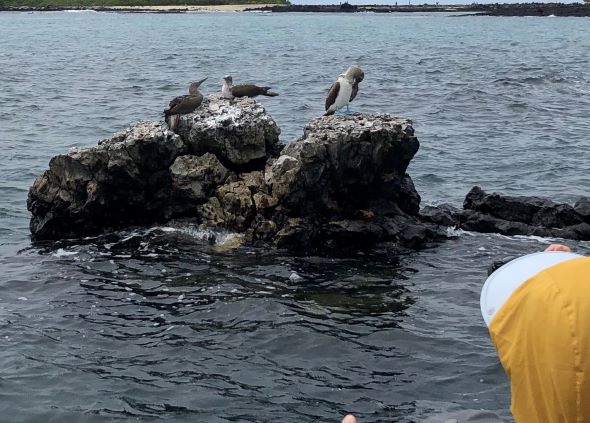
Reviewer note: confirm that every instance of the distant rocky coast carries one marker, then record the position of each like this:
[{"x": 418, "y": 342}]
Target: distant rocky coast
[
  {"x": 343, "y": 183},
  {"x": 502, "y": 9}
]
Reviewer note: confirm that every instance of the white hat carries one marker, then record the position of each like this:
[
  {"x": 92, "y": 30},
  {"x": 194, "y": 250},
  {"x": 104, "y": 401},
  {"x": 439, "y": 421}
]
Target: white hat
[{"x": 504, "y": 281}]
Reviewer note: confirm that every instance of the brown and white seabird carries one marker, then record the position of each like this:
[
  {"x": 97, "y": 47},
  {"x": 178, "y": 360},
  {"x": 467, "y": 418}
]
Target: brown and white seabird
[
  {"x": 183, "y": 104},
  {"x": 228, "y": 90},
  {"x": 344, "y": 90}
]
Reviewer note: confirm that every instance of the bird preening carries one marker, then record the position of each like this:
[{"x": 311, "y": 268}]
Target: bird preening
[
  {"x": 340, "y": 94},
  {"x": 344, "y": 90},
  {"x": 228, "y": 90}
]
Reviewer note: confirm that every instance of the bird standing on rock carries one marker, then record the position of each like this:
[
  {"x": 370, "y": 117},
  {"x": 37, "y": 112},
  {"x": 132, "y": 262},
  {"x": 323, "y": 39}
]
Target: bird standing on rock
[
  {"x": 228, "y": 90},
  {"x": 183, "y": 104},
  {"x": 344, "y": 90}
]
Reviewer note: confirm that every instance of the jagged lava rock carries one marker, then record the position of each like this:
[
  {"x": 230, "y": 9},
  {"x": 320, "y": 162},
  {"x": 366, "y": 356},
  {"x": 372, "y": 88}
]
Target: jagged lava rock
[
  {"x": 123, "y": 180},
  {"x": 194, "y": 179},
  {"x": 344, "y": 182},
  {"x": 239, "y": 132},
  {"x": 147, "y": 173},
  {"x": 510, "y": 215},
  {"x": 344, "y": 162}
]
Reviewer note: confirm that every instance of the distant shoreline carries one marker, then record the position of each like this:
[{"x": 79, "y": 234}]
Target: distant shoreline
[
  {"x": 505, "y": 9},
  {"x": 520, "y": 9},
  {"x": 140, "y": 9}
]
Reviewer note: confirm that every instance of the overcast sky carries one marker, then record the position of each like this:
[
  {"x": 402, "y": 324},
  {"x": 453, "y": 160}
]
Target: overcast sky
[{"x": 400, "y": 2}]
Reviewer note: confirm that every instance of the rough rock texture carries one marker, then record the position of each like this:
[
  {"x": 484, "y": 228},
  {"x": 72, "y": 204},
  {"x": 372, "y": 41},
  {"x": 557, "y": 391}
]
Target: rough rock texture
[
  {"x": 238, "y": 131},
  {"x": 123, "y": 180},
  {"x": 343, "y": 183},
  {"x": 147, "y": 173},
  {"x": 194, "y": 179},
  {"x": 343, "y": 163},
  {"x": 515, "y": 216}
]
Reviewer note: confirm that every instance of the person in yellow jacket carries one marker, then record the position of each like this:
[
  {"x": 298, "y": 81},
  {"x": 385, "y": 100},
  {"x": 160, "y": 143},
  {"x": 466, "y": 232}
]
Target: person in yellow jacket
[{"x": 537, "y": 309}]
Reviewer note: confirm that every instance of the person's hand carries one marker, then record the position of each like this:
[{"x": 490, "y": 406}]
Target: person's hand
[
  {"x": 557, "y": 247},
  {"x": 349, "y": 418}
]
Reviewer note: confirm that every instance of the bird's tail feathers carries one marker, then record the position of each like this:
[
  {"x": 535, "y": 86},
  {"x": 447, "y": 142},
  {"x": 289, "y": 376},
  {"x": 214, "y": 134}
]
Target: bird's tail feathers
[{"x": 269, "y": 93}]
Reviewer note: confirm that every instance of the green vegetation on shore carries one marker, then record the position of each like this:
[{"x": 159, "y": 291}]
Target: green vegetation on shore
[{"x": 111, "y": 3}]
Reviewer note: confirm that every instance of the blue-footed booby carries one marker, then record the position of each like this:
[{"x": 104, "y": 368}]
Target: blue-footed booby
[
  {"x": 344, "y": 90},
  {"x": 228, "y": 90},
  {"x": 183, "y": 104}
]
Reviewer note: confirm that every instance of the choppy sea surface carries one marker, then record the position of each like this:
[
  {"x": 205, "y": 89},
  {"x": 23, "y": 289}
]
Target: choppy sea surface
[{"x": 157, "y": 325}]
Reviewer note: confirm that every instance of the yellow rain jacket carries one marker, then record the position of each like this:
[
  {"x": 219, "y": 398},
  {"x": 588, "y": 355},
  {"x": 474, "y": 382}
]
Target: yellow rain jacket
[{"x": 542, "y": 334}]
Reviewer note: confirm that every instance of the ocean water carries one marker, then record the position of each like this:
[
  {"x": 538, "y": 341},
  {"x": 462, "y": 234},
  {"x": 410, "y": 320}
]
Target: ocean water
[{"x": 154, "y": 324}]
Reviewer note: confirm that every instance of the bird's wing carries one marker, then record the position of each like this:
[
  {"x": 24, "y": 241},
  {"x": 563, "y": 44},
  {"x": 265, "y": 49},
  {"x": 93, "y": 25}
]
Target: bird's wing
[
  {"x": 355, "y": 90},
  {"x": 184, "y": 104},
  {"x": 173, "y": 104},
  {"x": 247, "y": 90},
  {"x": 332, "y": 94}
]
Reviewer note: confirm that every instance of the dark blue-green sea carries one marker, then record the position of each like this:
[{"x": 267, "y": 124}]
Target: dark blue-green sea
[{"x": 156, "y": 325}]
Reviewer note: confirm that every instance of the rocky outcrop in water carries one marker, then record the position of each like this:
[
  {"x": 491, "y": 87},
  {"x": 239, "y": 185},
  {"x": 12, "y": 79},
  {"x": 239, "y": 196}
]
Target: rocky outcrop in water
[
  {"x": 147, "y": 173},
  {"x": 507, "y": 215},
  {"x": 122, "y": 181},
  {"x": 343, "y": 182}
]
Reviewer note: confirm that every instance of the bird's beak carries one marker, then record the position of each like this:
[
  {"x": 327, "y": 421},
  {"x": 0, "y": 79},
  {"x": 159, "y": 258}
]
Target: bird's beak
[{"x": 201, "y": 81}]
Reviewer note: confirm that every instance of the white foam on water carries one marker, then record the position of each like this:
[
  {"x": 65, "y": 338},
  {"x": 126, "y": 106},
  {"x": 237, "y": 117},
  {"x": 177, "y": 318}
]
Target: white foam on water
[
  {"x": 452, "y": 232},
  {"x": 204, "y": 234},
  {"x": 63, "y": 253}
]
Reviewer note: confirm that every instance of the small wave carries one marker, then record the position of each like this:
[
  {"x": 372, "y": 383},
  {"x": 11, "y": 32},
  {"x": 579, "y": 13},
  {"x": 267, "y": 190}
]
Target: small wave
[
  {"x": 214, "y": 237},
  {"x": 552, "y": 78},
  {"x": 63, "y": 253},
  {"x": 453, "y": 232}
]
